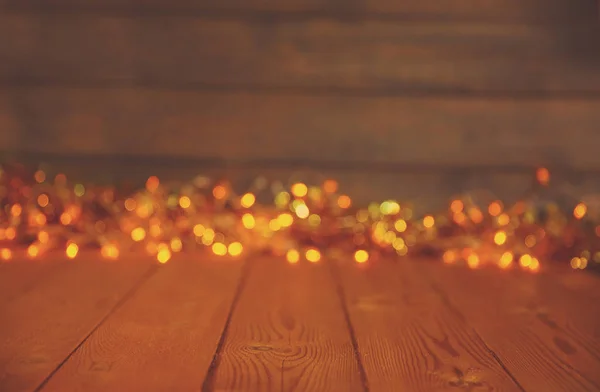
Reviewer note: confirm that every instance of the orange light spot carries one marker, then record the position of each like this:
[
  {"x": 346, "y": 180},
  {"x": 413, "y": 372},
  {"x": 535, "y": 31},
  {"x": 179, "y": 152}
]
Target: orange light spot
[
  {"x": 152, "y": 183},
  {"x": 109, "y": 251},
  {"x": 500, "y": 238},
  {"x": 163, "y": 255},
  {"x": 525, "y": 260},
  {"x": 449, "y": 257},
  {"x": 579, "y": 211},
  {"x": 330, "y": 186},
  {"x": 534, "y": 266},
  {"x": 542, "y": 175},
  {"x": 456, "y": 206},
  {"x": 43, "y": 237},
  {"x": 248, "y": 200},
  {"x": 506, "y": 260},
  {"x": 475, "y": 215},
  {"x": 428, "y": 221},
  {"x": 292, "y": 256},
  {"x": 219, "y": 192},
  {"x": 138, "y": 234},
  {"x": 313, "y": 255},
  {"x": 16, "y": 210},
  {"x": 39, "y": 176},
  {"x": 361, "y": 256},
  {"x": 344, "y": 201},
  {"x": 299, "y": 189},
  {"x": 72, "y": 250},
  {"x": 473, "y": 260},
  {"x": 495, "y": 208},
  {"x": 43, "y": 200},
  {"x": 65, "y": 218},
  {"x": 130, "y": 204},
  {"x": 185, "y": 202},
  {"x": 10, "y": 233},
  {"x": 33, "y": 250},
  {"x": 503, "y": 220},
  {"x": 5, "y": 254}
]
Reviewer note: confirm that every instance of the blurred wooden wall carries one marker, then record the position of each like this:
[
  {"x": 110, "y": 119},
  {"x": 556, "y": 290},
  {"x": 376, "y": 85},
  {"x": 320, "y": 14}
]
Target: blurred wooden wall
[{"x": 402, "y": 98}]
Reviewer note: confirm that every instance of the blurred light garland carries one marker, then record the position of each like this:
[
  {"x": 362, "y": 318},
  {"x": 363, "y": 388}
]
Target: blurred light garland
[{"x": 299, "y": 223}]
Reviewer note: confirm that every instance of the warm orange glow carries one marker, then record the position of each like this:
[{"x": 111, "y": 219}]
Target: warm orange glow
[
  {"x": 152, "y": 183},
  {"x": 313, "y": 255},
  {"x": 248, "y": 221},
  {"x": 579, "y": 211},
  {"x": 503, "y": 220},
  {"x": 72, "y": 250},
  {"x": 5, "y": 254},
  {"x": 16, "y": 210},
  {"x": 285, "y": 220},
  {"x": 534, "y": 265},
  {"x": 39, "y": 176},
  {"x": 292, "y": 256},
  {"x": 109, "y": 251},
  {"x": 495, "y": 208},
  {"x": 43, "y": 237},
  {"x": 361, "y": 256},
  {"x": 449, "y": 257},
  {"x": 10, "y": 233},
  {"x": 176, "y": 245},
  {"x": 542, "y": 175},
  {"x": 235, "y": 249},
  {"x": 185, "y": 202},
  {"x": 530, "y": 241},
  {"x": 199, "y": 230},
  {"x": 163, "y": 255},
  {"x": 130, "y": 204},
  {"x": 33, "y": 250},
  {"x": 219, "y": 249},
  {"x": 219, "y": 192},
  {"x": 456, "y": 206},
  {"x": 400, "y": 226},
  {"x": 248, "y": 200},
  {"x": 500, "y": 238},
  {"x": 65, "y": 218},
  {"x": 428, "y": 221},
  {"x": 138, "y": 234},
  {"x": 473, "y": 260},
  {"x": 344, "y": 201},
  {"x": 43, "y": 200},
  {"x": 475, "y": 215},
  {"x": 506, "y": 260},
  {"x": 330, "y": 186},
  {"x": 299, "y": 189},
  {"x": 525, "y": 260}
]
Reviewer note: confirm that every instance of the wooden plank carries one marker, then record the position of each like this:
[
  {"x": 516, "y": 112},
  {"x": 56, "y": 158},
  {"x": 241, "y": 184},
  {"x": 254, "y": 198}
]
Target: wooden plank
[
  {"x": 348, "y": 130},
  {"x": 168, "y": 331},
  {"x": 383, "y": 56},
  {"x": 409, "y": 339},
  {"x": 43, "y": 326},
  {"x": 543, "y": 343},
  {"x": 464, "y": 9},
  {"x": 287, "y": 332}
]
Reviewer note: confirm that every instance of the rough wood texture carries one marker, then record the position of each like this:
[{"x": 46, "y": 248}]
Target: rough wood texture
[
  {"x": 241, "y": 127},
  {"x": 544, "y": 344},
  {"x": 40, "y": 328},
  {"x": 535, "y": 10},
  {"x": 387, "y": 57},
  {"x": 168, "y": 331},
  {"x": 409, "y": 339},
  {"x": 287, "y": 333}
]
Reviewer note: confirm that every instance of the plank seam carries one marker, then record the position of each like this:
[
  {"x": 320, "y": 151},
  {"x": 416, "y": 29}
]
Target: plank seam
[
  {"x": 453, "y": 309},
  {"x": 342, "y": 297},
  {"x": 151, "y": 271},
  {"x": 208, "y": 384}
]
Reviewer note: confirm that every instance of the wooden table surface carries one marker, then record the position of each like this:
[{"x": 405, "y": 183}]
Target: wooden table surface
[{"x": 260, "y": 324}]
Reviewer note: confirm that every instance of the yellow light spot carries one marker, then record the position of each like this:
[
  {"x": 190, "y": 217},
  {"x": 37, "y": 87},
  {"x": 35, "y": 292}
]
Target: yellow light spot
[
  {"x": 576, "y": 263},
  {"x": 219, "y": 192},
  {"x": 344, "y": 201},
  {"x": 282, "y": 199},
  {"x": 473, "y": 260},
  {"x": 302, "y": 211},
  {"x": 428, "y": 221},
  {"x": 542, "y": 175},
  {"x": 163, "y": 255},
  {"x": 43, "y": 200},
  {"x": 535, "y": 264},
  {"x": 292, "y": 256},
  {"x": 248, "y": 200},
  {"x": 33, "y": 250},
  {"x": 495, "y": 208},
  {"x": 79, "y": 190},
  {"x": 579, "y": 211},
  {"x": 235, "y": 249},
  {"x": 313, "y": 255},
  {"x": 299, "y": 189},
  {"x": 176, "y": 245},
  {"x": 500, "y": 238},
  {"x": 130, "y": 205},
  {"x": 248, "y": 221},
  {"x": 274, "y": 225},
  {"x": 16, "y": 210},
  {"x": 330, "y": 186},
  {"x": 185, "y": 202},
  {"x": 525, "y": 260},
  {"x": 398, "y": 243},
  {"x": 400, "y": 225},
  {"x": 72, "y": 250},
  {"x": 138, "y": 234},
  {"x": 456, "y": 206},
  {"x": 39, "y": 176},
  {"x": 389, "y": 207},
  {"x": 199, "y": 230},
  {"x": 285, "y": 220},
  {"x": 43, "y": 237},
  {"x": 449, "y": 257},
  {"x": 219, "y": 249},
  {"x": 506, "y": 259},
  {"x": 152, "y": 183},
  {"x": 5, "y": 254},
  {"x": 361, "y": 256},
  {"x": 503, "y": 220}
]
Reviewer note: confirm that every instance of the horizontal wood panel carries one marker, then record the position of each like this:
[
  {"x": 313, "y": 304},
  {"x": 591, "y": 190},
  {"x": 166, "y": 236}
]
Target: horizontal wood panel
[
  {"x": 488, "y": 9},
  {"x": 350, "y": 130},
  {"x": 386, "y": 56}
]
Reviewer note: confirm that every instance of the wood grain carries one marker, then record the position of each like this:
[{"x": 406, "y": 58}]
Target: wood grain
[
  {"x": 544, "y": 343},
  {"x": 409, "y": 339},
  {"x": 287, "y": 333},
  {"x": 40, "y": 328},
  {"x": 384, "y": 56},
  {"x": 535, "y": 10},
  {"x": 167, "y": 332},
  {"x": 352, "y": 130}
]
